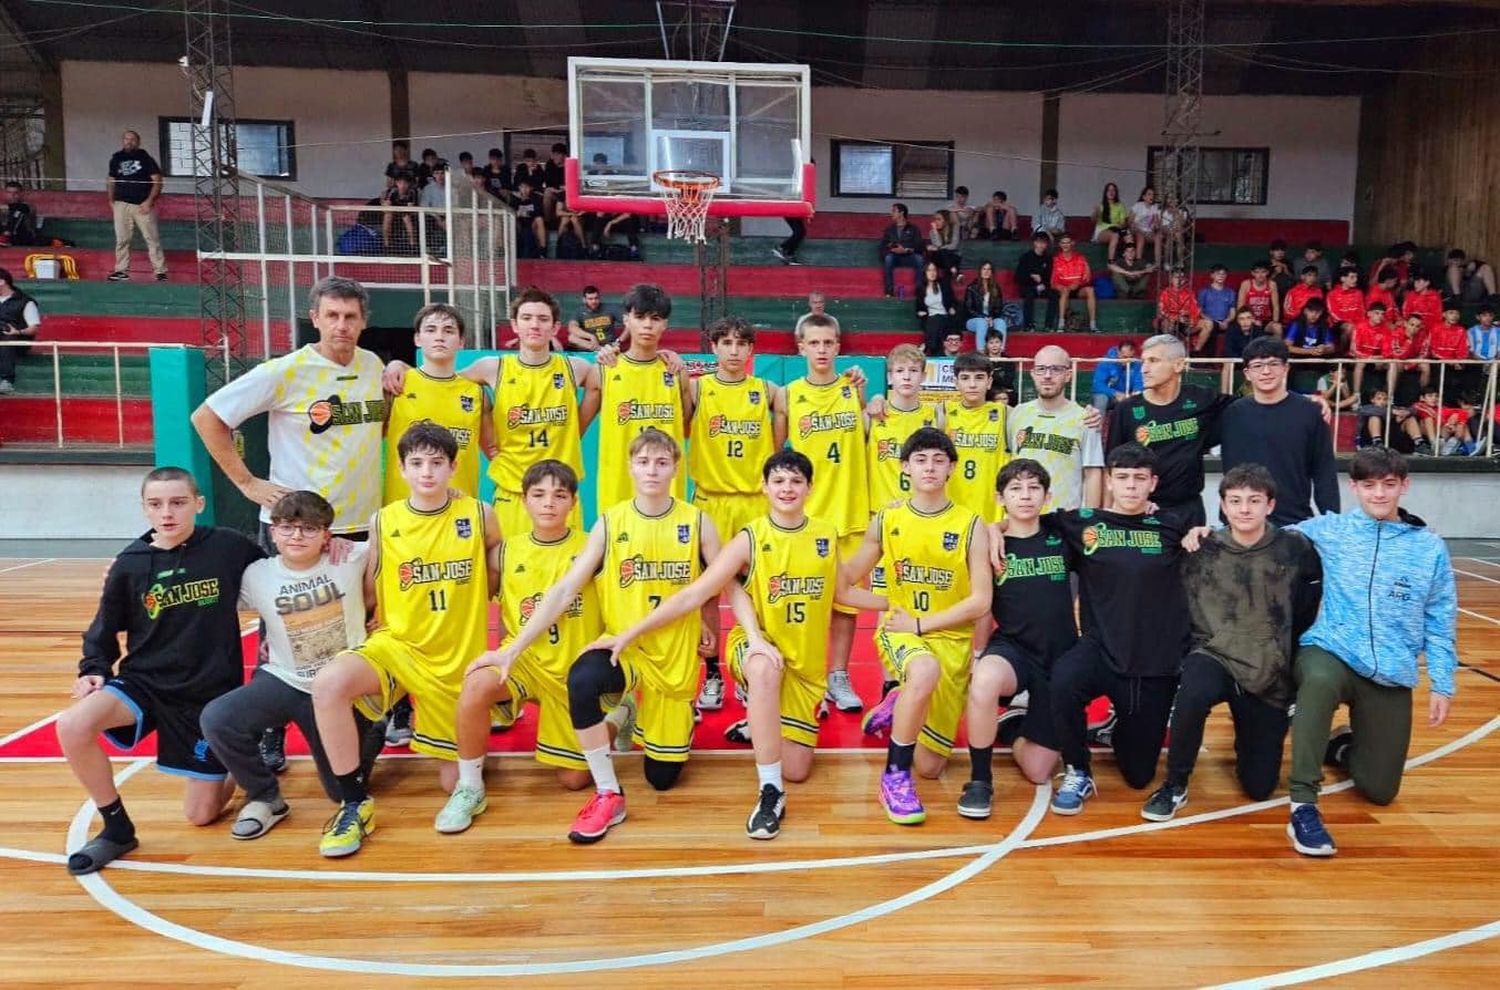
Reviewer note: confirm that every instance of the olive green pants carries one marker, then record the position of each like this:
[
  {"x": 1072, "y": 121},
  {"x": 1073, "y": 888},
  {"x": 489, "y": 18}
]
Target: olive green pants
[{"x": 1380, "y": 717}]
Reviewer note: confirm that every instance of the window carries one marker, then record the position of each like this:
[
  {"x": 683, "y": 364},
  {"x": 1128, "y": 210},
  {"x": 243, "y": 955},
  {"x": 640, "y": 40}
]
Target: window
[
  {"x": 1226, "y": 176},
  {"x": 263, "y": 147},
  {"x": 893, "y": 169}
]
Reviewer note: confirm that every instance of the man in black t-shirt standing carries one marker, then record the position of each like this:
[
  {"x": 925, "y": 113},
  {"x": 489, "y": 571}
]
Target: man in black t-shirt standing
[
  {"x": 1033, "y": 610},
  {"x": 1176, "y": 422},
  {"x": 133, "y": 186}
]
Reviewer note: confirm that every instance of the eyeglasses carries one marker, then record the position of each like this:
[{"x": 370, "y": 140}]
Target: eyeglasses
[
  {"x": 296, "y": 529},
  {"x": 1271, "y": 365},
  {"x": 1050, "y": 369}
]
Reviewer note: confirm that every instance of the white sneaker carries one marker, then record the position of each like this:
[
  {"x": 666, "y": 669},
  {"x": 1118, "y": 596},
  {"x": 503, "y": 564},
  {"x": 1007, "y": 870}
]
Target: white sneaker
[
  {"x": 623, "y": 716},
  {"x": 711, "y": 697},
  {"x": 1450, "y": 445},
  {"x": 842, "y": 693},
  {"x": 6, "y": 387},
  {"x": 458, "y": 814}
]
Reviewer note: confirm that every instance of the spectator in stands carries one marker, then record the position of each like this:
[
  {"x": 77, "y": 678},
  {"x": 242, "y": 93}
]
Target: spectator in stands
[
  {"x": 434, "y": 196},
  {"x": 1470, "y": 281},
  {"x": 1406, "y": 435},
  {"x": 1398, "y": 257},
  {"x": 817, "y": 305},
  {"x": 1000, "y": 217},
  {"x": 1216, "y": 303},
  {"x": 787, "y": 249},
  {"x": 943, "y": 245},
  {"x": 133, "y": 187},
  {"x": 1297, "y": 296},
  {"x": 1002, "y": 371},
  {"x": 1445, "y": 428},
  {"x": 1406, "y": 346},
  {"x": 1367, "y": 341},
  {"x": 529, "y": 169},
  {"x": 902, "y": 247},
  {"x": 425, "y": 167},
  {"x": 1174, "y": 223},
  {"x": 1484, "y": 335},
  {"x": 1034, "y": 281},
  {"x": 19, "y": 228},
  {"x": 554, "y": 176},
  {"x": 1309, "y": 334},
  {"x": 1335, "y": 390},
  {"x": 1384, "y": 290},
  {"x": 983, "y": 305},
  {"x": 497, "y": 177},
  {"x": 953, "y": 343},
  {"x": 1281, "y": 269},
  {"x": 1312, "y": 254},
  {"x": 1145, "y": 224},
  {"x": 1259, "y": 295},
  {"x": 572, "y": 230},
  {"x": 1116, "y": 376},
  {"x": 1347, "y": 305},
  {"x": 935, "y": 308},
  {"x": 400, "y": 164},
  {"x": 1111, "y": 219},
  {"x": 466, "y": 165},
  {"x": 1070, "y": 277},
  {"x": 1423, "y": 300},
  {"x": 20, "y": 319},
  {"x": 398, "y": 228},
  {"x": 1449, "y": 341},
  {"x": 1050, "y": 219},
  {"x": 602, "y": 227},
  {"x": 1130, "y": 273},
  {"x": 594, "y": 325},
  {"x": 966, "y": 215},
  {"x": 1177, "y": 313},
  {"x": 531, "y": 225}
]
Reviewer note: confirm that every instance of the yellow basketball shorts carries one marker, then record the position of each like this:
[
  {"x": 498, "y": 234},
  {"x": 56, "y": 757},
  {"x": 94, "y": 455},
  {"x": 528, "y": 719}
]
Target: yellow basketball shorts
[
  {"x": 946, "y": 706},
  {"x": 404, "y": 671},
  {"x": 848, "y": 544},
  {"x": 510, "y": 513},
  {"x": 556, "y": 742},
  {"x": 801, "y": 691},
  {"x": 730, "y": 513},
  {"x": 664, "y": 726}
]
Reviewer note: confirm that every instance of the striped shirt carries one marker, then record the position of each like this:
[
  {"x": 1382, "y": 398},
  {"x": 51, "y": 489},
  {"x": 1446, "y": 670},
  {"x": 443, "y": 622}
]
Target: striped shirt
[{"x": 1484, "y": 342}]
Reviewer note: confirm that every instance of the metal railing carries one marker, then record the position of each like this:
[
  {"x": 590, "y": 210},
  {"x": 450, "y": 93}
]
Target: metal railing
[{"x": 59, "y": 403}]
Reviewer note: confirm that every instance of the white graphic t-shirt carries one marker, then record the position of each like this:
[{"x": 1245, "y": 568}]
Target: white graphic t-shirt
[
  {"x": 1061, "y": 444},
  {"x": 311, "y": 616},
  {"x": 325, "y": 427}
]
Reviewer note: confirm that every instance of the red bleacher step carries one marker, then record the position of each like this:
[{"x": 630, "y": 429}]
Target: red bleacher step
[{"x": 33, "y": 419}]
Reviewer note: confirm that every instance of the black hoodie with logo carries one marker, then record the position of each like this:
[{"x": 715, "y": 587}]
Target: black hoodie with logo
[{"x": 178, "y": 609}]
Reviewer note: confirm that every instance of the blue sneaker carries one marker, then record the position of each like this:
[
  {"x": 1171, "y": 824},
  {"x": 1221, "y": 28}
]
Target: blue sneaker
[
  {"x": 1077, "y": 787},
  {"x": 1307, "y": 833}
]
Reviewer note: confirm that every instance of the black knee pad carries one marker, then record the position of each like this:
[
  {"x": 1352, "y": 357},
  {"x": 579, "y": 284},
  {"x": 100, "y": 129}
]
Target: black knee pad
[
  {"x": 591, "y": 678},
  {"x": 662, "y": 775}
]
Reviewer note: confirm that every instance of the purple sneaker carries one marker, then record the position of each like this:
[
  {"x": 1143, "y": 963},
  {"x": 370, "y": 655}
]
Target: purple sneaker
[
  {"x": 899, "y": 798},
  {"x": 878, "y": 721}
]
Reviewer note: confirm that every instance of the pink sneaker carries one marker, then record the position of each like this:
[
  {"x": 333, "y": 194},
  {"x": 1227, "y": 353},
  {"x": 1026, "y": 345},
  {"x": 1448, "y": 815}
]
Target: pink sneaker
[
  {"x": 878, "y": 722},
  {"x": 605, "y": 810},
  {"x": 899, "y": 798}
]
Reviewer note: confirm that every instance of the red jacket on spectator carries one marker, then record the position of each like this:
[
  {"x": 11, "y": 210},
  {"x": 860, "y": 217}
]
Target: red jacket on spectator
[
  {"x": 1177, "y": 306},
  {"x": 1345, "y": 306},
  {"x": 1427, "y": 303},
  {"x": 1070, "y": 271},
  {"x": 1377, "y": 294},
  {"x": 1368, "y": 341},
  {"x": 1449, "y": 342},
  {"x": 1297, "y": 297},
  {"x": 1401, "y": 346}
]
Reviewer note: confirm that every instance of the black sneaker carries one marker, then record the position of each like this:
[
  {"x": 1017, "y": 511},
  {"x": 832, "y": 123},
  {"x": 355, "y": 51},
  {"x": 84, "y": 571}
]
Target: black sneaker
[
  {"x": 1102, "y": 734},
  {"x": 977, "y": 799},
  {"x": 273, "y": 749},
  {"x": 161, "y": 276},
  {"x": 765, "y": 820},
  {"x": 1337, "y": 753},
  {"x": 118, "y": 276},
  {"x": 739, "y": 732},
  {"x": 398, "y": 727},
  {"x": 1008, "y": 725},
  {"x": 1163, "y": 805}
]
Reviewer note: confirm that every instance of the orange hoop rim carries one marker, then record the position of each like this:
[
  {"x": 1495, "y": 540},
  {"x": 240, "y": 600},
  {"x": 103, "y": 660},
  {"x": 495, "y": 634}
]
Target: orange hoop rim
[{"x": 686, "y": 180}]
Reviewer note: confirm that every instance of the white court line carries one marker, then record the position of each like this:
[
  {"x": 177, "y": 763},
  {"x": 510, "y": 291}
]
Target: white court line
[
  {"x": 1481, "y": 577},
  {"x": 30, "y": 728},
  {"x": 1479, "y": 615},
  {"x": 30, "y": 563},
  {"x": 1369, "y": 960},
  {"x": 106, "y": 896},
  {"x": 1486, "y": 561}
]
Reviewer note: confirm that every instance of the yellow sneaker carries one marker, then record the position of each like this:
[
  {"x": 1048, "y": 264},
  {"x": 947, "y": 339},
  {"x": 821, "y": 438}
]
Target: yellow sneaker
[{"x": 347, "y": 829}]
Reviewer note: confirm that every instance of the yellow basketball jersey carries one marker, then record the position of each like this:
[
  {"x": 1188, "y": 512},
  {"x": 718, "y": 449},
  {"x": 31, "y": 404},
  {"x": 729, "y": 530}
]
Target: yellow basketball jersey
[
  {"x": 528, "y": 568},
  {"x": 731, "y": 436},
  {"x": 536, "y": 418},
  {"x": 792, "y": 581},
  {"x": 887, "y": 483},
  {"x": 979, "y": 435},
  {"x": 454, "y": 403},
  {"x": 824, "y": 422},
  {"x": 647, "y": 560},
  {"x": 926, "y": 560},
  {"x": 637, "y": 394},
  {"x": 431, "y": 586}
]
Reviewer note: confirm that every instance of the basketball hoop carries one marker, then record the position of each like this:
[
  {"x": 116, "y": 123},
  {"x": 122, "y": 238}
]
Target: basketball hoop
[{"x": 687, "y": 194}]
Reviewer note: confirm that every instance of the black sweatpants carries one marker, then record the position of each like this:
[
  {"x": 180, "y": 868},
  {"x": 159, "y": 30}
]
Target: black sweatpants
[
  {"x": 799, "y": 233},
  {"x": 1142, "y": 706},
  {"x": 1259, "y": 727}
]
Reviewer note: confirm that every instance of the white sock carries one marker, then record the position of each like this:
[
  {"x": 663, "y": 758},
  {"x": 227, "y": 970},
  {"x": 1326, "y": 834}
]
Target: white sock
[
  {"x": 471, "y": 773},
  {"x": 1298, "y": 804},
  {"x": 602, "y": 768},
  {"x": 770, "y": 773}
]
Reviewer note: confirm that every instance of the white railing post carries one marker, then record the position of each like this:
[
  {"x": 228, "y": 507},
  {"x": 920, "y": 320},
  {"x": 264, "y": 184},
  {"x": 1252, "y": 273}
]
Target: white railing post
[
  {"x": 57, "y": 389},
  {"x": 265, "y": 268},
  {"x": 119, "y": 400}
]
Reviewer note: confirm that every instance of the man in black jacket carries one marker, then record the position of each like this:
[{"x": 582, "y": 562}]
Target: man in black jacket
[
  {"x": 902, "y": 246},
  {"x": 1034, "y": 281},
  {"x": 174, "y": 593}
]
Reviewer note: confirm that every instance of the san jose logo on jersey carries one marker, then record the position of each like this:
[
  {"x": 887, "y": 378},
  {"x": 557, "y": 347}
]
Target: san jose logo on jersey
[
  {"x": 638, "y": 568},
  {"x": 630, "y": 410},
  {"x": 1183, "y": 429},
  {"x": 325, "y": 414},
  {"x": 780, "y": 586},
  {"x": 1103, "y": 537},
  {"x": 417, "y": 571},
  {"x": 201, "y": 593},
  {"x": 821, "y": 546},
  {"x": 528, "y": 605},
  {"x": 526, "y": 415},
  {"x": 937, "y": 577},
  {"x": 721, "y": 425},
  {"x": 826, "y": 422}
]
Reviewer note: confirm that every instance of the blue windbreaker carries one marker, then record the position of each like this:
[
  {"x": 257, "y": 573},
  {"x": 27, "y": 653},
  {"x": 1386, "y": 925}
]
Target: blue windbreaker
[
  {"x": 1388, "y": 595},
  {"x": 1110, "y": 375}
]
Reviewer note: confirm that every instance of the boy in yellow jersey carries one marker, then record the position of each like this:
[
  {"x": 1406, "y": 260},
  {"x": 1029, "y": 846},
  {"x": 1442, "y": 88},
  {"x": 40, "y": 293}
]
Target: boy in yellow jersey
[
  {"x": 977, "y": 427},
  {"x": 938, "y": 579},
  {"x": 891, "y": 421},
  {"x": 639, "y": 553},
  {"x": 642, "y": 388},
  {"x": 537, "y": 412},
  {"x": 432, "y": 569},
  {"x": 530, "y": 564},
  {"x": 436, "y": 393},
  {"x": 741, "y": 421},
  {"x": 779, "y": 570},
  {"x": 825, "y": 421}
]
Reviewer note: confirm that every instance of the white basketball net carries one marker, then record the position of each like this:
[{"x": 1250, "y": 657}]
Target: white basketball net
[{"x": 687, "y": 196}]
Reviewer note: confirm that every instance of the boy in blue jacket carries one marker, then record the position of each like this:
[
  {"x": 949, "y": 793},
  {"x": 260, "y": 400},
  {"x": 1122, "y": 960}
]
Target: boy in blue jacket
[
  {"x": 1117, "y": 375},
  {"x": 1388, "y": 595}
]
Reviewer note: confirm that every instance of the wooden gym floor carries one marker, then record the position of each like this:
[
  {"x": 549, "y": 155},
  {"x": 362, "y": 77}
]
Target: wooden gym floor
[{"x": 679, "y": 897}]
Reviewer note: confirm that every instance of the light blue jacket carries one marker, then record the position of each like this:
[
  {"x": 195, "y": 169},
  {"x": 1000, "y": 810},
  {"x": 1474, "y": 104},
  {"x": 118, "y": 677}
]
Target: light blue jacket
[
  {"x": 1388, "y": 595},
  {"x": 1110, "y": 375}
]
